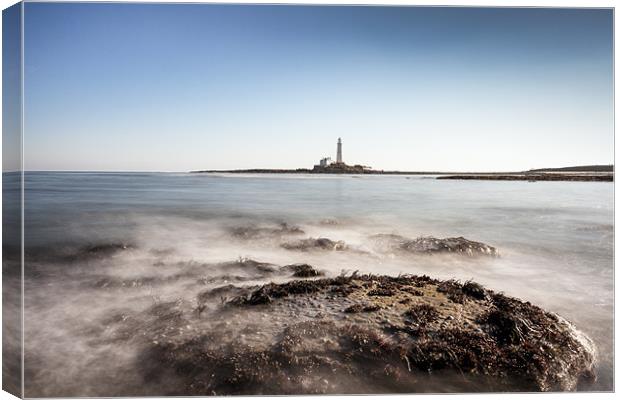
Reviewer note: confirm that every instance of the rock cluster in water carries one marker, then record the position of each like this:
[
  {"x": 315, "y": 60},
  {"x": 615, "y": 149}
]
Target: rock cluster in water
[
  {"x": 420, "y": 246},
  {"x": 432, "y": 245}
]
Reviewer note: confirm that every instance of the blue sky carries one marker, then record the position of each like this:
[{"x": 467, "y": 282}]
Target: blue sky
[
  {"x": 180, "y": 87},
  {"x": 11, "y": 88}
]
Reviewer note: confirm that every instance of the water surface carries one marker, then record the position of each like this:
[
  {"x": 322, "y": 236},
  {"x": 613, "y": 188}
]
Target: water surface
[{"x": 555, "y": 241}]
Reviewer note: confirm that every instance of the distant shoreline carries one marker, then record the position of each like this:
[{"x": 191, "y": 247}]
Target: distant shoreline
[
  {"x": 535, "y": 177},
  {"x": 315, "y": 172},
  {"x": 592, "y": 173}
]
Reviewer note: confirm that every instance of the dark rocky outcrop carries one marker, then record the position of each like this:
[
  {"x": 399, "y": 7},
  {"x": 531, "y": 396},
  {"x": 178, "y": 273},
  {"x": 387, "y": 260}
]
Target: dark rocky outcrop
[
  {"x": 431, "y": 245},
  {"x": 332, "y": 336},
  {"x": 460, "y": 245}
]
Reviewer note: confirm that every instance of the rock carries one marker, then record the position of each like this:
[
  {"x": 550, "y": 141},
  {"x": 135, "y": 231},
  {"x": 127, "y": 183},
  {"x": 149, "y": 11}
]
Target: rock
[
  {"x": 247, "y": 264},
  {"x": 431, "y": 245},
  {"x": 221, "y": 292},
  {"x": 84, "y": 253},
  {"x": 315, "y": 244},
  {"x": 358, "y": 308},
  {"x": 302, "y": 270},
  {"x": 254, "y": 232},
  {"x": 459, "y": 245},
  {"x": 405, "y": 331},
  {"x": 241, "y": 270},
  {"x": 105, "y": 249},
  {"x": 508, "y": 344}
]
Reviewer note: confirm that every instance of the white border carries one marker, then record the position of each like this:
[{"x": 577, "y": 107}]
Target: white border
[{"x": 478, "y": 3}]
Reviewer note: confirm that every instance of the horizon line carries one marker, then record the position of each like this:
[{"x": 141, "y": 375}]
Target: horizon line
[{"x": 286, "y": 169}]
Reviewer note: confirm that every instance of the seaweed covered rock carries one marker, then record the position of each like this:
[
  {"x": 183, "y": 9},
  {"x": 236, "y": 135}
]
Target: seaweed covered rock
[
  {"x": 432, "y": 245},
  {"x": 403, "y": 334},
  {"x": 315, "y": 244},
  {"x": 255, "y": 232},
  {"x": 303, "y": 270}
]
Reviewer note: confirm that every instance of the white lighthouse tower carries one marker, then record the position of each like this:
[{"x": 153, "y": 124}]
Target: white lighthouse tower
[{"x": 339, "y": 152}]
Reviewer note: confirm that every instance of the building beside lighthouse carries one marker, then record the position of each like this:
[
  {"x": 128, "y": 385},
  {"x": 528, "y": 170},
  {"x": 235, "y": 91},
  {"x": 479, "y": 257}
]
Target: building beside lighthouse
[{"x": 325, "y": 162}]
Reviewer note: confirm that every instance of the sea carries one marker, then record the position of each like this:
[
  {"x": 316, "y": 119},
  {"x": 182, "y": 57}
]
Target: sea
[{"x": 555, "y": 241}]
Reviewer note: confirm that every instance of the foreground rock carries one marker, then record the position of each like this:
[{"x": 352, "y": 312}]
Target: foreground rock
[
  {"x": 431, "y": 245},
  {"x": 363, "y": 334}
]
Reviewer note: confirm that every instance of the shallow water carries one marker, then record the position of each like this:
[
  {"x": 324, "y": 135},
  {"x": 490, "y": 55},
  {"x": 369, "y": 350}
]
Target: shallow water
[{"x": 555, "y": 241}]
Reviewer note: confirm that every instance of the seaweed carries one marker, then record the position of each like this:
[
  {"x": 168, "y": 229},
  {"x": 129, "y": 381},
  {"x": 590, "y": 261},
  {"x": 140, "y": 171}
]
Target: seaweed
[
  {"x": 219, "y": 291},
  {"x": 385, "y": 292},
  {"x": 475, "y": 290},
  {"x": 506, "y": 328},
  {"x": 468, "y": 351},
  {"x": 453, "y": 291},
  {"x": 358, "y": 308},
  {"x": 411, "y": 290},
  {"x": 266, "y": 293},
  {"x": 422, "y": 313},
  {"x": 342, "y": 290},
  {"x": 303, "y": 270}
]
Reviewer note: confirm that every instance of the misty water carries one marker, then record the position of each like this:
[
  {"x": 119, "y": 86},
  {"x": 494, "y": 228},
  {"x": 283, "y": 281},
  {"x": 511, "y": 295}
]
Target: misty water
[{"x": 555, "y": 241}]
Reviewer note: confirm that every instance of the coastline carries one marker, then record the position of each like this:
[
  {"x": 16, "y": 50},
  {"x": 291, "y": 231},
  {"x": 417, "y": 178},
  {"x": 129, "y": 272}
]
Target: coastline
[
  {"x": 566, "y": 177},
  {"x": 552, "y": 175},
  {"x": 318, "y": 172}
]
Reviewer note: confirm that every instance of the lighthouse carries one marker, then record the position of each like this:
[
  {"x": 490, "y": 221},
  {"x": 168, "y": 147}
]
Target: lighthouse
[{"x": 339, "y": 152}]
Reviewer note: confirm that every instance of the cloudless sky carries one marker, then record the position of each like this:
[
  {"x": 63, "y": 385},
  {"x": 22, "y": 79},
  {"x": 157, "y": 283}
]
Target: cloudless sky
[
  {"x": 11, "y": 88},
  {"x": 177, "y": 87}
]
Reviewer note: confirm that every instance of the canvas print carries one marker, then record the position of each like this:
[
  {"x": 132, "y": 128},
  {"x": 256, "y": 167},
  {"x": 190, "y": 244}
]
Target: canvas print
[{"x": 234, "y": 199}]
